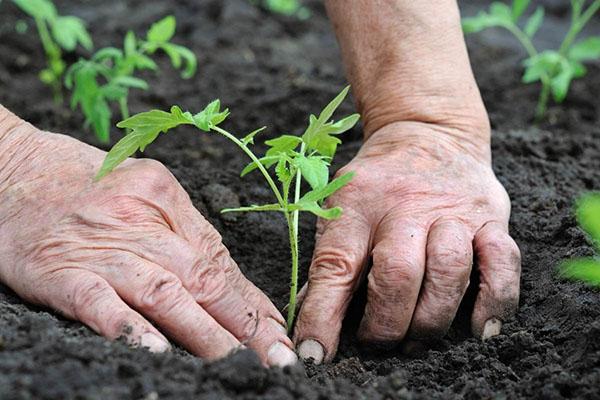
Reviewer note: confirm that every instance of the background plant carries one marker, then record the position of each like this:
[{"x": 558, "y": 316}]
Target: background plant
[
  {"x": 555, "y": 69},
  {"x": 294, "y": 158},
  {"x": 109, "y": 74},
  {"x": 285, "y": 7},
  {"x": 586, "y": 269},
  {"x": 56, "y": 33}
]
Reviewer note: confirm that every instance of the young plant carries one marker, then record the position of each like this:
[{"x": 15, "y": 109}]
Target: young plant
[
  {"x": 109, "y": 74},
  {"x": 586, "y": 269},
  {"x": 294, "y": 157},
  {"x": 56, "y": 33},
  {"x": 555, "y": 69},
  {"x": 285, "y": 7}
]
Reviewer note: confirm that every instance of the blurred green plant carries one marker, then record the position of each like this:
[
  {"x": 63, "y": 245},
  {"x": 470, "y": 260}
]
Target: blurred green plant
[
  {"x": 586, "y": 269},
  {"x": 109, "y": 74},
  {"x": 285, "y": 7},
  {"x": 56, "y": 33},
  {"x": 555, "y": 69},
  {"x": 295, "y": 158}
]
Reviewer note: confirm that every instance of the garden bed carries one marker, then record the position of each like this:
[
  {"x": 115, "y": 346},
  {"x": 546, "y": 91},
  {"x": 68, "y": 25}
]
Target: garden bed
[{"x": 274, "y": 71}]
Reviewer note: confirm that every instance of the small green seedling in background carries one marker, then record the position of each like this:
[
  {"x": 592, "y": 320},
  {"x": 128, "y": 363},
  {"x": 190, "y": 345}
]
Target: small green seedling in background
[
  {"x": 555, "y": 69},
  {"x": 285, "y": 7},
  {"x": 295, "y": 158},
  {"x": 56, "y": 33},
  {"x": 109, "y": 74},
  {"x": 586, "y": 269}
]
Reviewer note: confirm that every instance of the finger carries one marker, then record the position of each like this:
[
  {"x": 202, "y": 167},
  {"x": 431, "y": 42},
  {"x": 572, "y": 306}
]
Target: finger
[
  {"x": 499, "y": 261},
  {"x": 394, "y": 281},
  {"x": 86, "y": 297},
  {"x": 340, "y": 255},
  {"x": 188, "y": 223},
  {"x": 160, "y": 296},
  {"x": 447, "y": 271},
  {"x": 204, "y": 277}
]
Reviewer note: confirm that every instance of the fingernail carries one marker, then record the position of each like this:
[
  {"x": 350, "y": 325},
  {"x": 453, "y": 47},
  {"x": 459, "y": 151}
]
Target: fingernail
[
  {"x": 491, "y": 328},
  {"x": 280, "y": 355},
  {"x": 154, "y": 343},
  {"x": 278, "y": 326},
  {"x": 311, "y": 349}
]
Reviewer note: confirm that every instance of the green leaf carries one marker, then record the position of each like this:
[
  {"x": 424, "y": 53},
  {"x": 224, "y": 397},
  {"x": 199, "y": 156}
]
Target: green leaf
[
  {"x": 502, "y": 12},
  {"x": 545, "y": 63},
  {"x": 282, "y": 171},
  {"x": 43, "y": 9},
  {"x": 145, "y": 128},
  {"x": 588, "y": 215},
  {"x": 561, "y": 82},
  {"x": 265, "y": 207},
  {"x": 586, "y": 50},
  {"x": 69, "y": 31},
  {"x": 318, "y": 134},
  {"x": 313, "y": 207},
  {"x": 534, "y": 22},
  {"x": 142, "y": 61},
  {"x": 268, "y": 162},
  {"x": 210, "y": 116},
  {"x": 162, "y": 31},
  {"x": 283, "y": 144},
  {"x": 178, "y": 53},
  {"x": 108, "y": 53},
  {"x": 314, "y": 170},
  {"x": 249, "y": 138},
  {"x": 130, "y": 82},
  {"x": 130, "y": 44},
  {"x": 329, "y": 189},
  {"x": 480, "y": 22},
  {"x": 583, "y": 269},
  {"x": 518, "y": 8}
]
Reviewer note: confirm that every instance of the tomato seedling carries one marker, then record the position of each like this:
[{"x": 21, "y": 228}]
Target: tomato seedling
[
  {"x": 109, "y": 74},
  {"x": 295, "y": 158},
  {"x": 555, "y": 69},
  {"x": 285, "y": 7},
  {"x": 586, "y": 269},
  {"x": 56, "y": 33}
]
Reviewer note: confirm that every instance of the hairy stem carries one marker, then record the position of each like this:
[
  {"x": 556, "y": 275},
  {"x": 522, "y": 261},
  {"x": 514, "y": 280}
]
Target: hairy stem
[
  {"x": 53, "y": 54},
  {"x": 293, "y": 233},
  {"x": 542, "y": 104}
]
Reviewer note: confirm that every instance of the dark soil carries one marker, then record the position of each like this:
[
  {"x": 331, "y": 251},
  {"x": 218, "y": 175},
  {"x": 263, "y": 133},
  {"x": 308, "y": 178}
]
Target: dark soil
[{"x": 274, "y": 71}]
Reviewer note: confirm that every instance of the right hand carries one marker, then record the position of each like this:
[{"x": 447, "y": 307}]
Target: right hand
[{"x": 122, "y": 252}]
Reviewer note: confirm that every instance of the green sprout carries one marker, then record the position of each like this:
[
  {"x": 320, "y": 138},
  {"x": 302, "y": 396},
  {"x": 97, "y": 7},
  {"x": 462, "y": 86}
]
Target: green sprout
[
  {"x": 285, "y": 7},
  {"x": 109, "y": 74},
  {"x": 56, "y": 33},
  {"x": 295, "y": 158},
  {"x": 586, "y": 269},
  {"x": 555, "y": 69}
]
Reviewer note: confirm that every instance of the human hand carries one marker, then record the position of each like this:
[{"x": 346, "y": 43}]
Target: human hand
[
  {"x": 422, "y": 204},
  {"x": 124, "y": 251}
]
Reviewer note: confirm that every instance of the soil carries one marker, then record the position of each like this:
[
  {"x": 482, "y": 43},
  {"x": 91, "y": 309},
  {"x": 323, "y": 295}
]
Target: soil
[{"x": 273, "y": 71}]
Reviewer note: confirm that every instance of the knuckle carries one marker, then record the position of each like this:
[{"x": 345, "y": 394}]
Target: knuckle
[
  {"x": 208, "y": 284},
  {"x": 449, "y": 260},
  {"x": 86, "y": 294},
  {"x": 334, "y": 264},
  {"x": 163, "y": 292},
  {"x": 156, "y": 176},
  {"x": 395, "y": 269}
]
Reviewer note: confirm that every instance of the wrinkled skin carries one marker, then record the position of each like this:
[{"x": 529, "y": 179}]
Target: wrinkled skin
[
  {"x": 122, "y": 252},
  {"x": 422, "y": 205}
]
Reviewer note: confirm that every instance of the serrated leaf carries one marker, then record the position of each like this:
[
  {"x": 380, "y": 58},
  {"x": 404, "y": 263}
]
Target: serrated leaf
[
  {"x": 249, "y": 138},
  {"x": 69, "y": 31},
  {"x": 534, "y": 22},
  {"x": 518, "y": 8},
  {"x": 210, "y": 116},
  {"x": 313, "y": 207},
  {"x": 583, "y": 269},
  {"x": 252, "y": 208},
  {"x": 282, "y": 144},
  {"x": 282, "y": 171},
  {"x": 43, "y": 9},
  {"x": 162, "y": 31},
  {"x": 145, "y": 128},
  {"x": 586, "y": 50},
  {"x": 314, "y": 170},
  {"x": 267, "y": 162},
  {"x": 329, "y": 189},
  {"x": 130, "y": 82}
]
